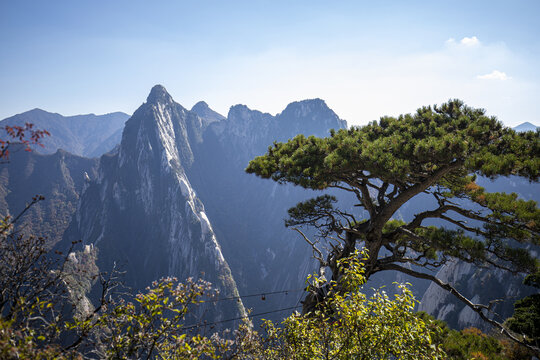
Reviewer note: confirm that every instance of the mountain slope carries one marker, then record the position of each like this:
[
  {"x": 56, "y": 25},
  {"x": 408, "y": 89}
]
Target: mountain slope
[
  {"x": 59, "y": 177},
  {"x": 173, "y": 199},
  {"x": 143, "y": 213},
  {"x": 248, "y": 212}
]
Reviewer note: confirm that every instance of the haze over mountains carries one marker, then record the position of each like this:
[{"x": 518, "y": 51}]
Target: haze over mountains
[
  {"x": 173, "y": 198},
  {"x": 84, "y": 135}
]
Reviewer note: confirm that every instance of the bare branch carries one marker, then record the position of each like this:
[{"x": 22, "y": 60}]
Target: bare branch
[
  {"x": 477, "y": 308},
  {"x": 317, "y": 254}
]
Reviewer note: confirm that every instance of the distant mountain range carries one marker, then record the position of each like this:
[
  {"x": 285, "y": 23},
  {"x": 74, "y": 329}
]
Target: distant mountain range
[
  {"x": 173, "y": 199},
  {"x": 169, "y": 196},
  {"x": 84, "y": 135}
]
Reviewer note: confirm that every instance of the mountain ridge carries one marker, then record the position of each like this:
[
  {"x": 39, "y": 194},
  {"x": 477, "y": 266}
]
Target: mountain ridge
[
  {"x": 173, "y": 199},
  {"x": 87, "y": 135}
]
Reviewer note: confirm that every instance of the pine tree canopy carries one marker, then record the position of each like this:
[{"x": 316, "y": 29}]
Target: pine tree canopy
[{"x": 439, "y": 151}]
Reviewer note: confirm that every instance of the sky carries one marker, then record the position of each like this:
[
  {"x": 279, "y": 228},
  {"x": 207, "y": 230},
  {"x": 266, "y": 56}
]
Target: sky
[{"x": 366, "y": 59}]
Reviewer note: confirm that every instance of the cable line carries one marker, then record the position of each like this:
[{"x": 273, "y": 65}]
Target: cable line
[
  {"x": 237, "y": 318},
  {"x": 262, "y": 295}
]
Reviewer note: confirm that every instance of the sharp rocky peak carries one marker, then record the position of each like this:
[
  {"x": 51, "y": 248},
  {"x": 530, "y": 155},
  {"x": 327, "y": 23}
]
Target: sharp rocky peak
[
  {"x": 241, "y": 111},
  {"x": 206, "y": 113},
  {"x": 159, "y": 94},
  {"x": 201, "y": 105},
  {"x": 239, "y": 108}
]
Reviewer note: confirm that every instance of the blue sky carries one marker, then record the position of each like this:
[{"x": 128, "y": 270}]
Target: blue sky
[{"x": 366, "y": 59}]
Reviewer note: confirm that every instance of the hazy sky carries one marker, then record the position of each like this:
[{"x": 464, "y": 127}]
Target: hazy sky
[{"x": 364, "y": 58}]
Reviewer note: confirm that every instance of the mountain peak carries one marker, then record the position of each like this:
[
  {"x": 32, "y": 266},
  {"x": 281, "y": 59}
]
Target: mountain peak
[
  {"x": 241, "y": 111},
  {"x": 310, "y": 108},
  {"x": 206, "y": 113},
  {"x": 308, "y": 105},
  {"x": 37, "y": 110},
  {"x": 201, "y": 105},
  {"x": 526, "y": 126},
  {"x": 158, "y": 94},
  {"x": 314, "y": 111}
]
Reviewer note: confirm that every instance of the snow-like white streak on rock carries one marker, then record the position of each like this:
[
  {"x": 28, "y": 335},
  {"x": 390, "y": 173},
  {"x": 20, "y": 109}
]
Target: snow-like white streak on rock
[
  {"x": 205, "y": 224},
  {"x": 165, "y": 132},
  {"x": 100, "y": 237},
  {"x": 117, "y": 195},
  {"x": 179, "y": 237},
  {"x": 145, "y": 193},
  {"x": 209, "y": 234},
  {"x": 186, "y": 189},
  {"x": 444, "y": 311}
]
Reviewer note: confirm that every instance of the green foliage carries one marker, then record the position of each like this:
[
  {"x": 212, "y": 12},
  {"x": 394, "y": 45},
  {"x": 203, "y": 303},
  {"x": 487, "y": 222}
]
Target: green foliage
[
  {"x": 471, "y": 343},
  {"x": 349, "y": 325},
  {"x": 16, "y": 344},
  {"x": 526, "y": 318},
  {"x": 152, "y": 325}
]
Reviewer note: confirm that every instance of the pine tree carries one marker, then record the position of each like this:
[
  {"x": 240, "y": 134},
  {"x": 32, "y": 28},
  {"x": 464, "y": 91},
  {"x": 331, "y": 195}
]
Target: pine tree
[{"x": 438, "y": 151}]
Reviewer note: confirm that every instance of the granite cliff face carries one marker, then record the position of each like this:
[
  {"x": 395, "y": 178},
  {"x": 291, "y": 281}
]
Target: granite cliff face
[
  {"x": 174, "y": 200},
  {"x": 247, "y": 211},
  {"x": 142, "y": 211}
]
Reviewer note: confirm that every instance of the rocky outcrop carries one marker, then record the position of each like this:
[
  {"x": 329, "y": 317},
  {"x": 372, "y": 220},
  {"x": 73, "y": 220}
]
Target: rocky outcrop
[
  {"x": 142, "y": 211},
  {"x": 58, "y": 177}
]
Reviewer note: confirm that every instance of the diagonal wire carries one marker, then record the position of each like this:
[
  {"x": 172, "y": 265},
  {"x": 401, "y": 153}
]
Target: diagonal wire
[
  {"x": 236, "y": 318},
  {"x": 255, "y": 295}
]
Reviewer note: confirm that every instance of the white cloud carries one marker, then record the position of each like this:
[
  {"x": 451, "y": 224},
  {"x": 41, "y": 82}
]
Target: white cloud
[
  {"x": 466, "y": 42},
  {"x": 363, "y": 84},
  {"x": 494, "y": 75},
  {"x": 470, "y": 41}
]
